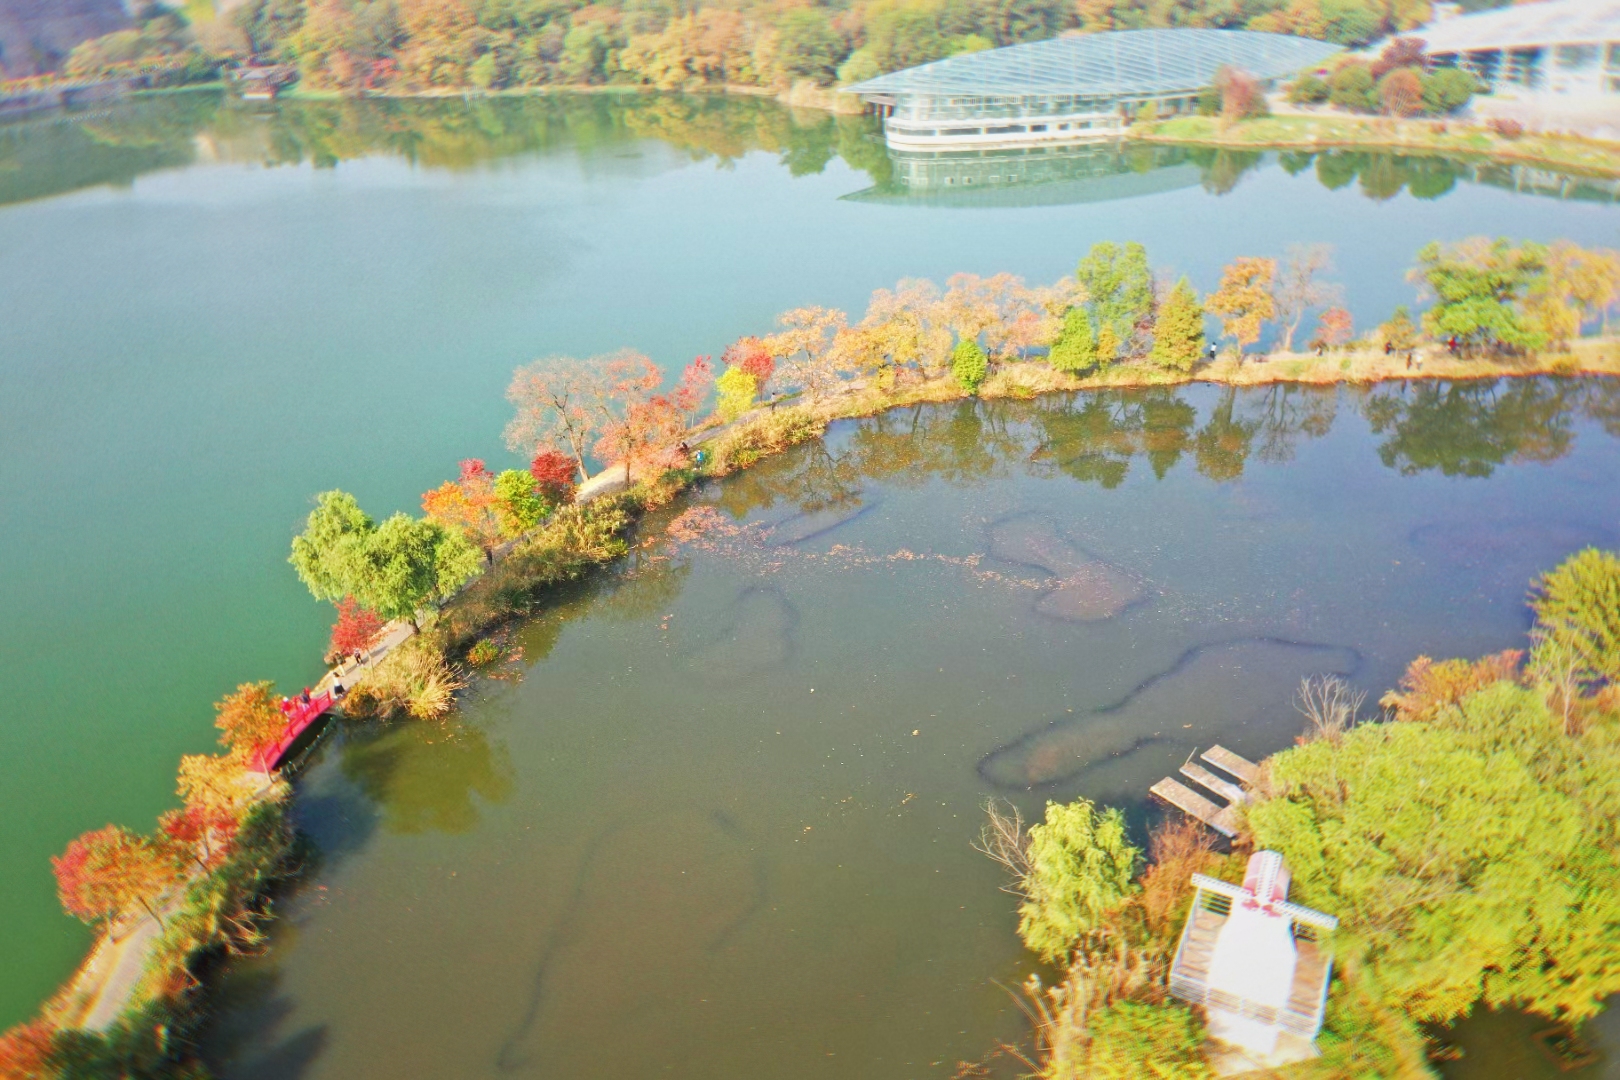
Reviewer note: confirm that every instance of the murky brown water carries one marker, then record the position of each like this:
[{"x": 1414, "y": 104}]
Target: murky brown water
[{"x": 716, "y": 823}]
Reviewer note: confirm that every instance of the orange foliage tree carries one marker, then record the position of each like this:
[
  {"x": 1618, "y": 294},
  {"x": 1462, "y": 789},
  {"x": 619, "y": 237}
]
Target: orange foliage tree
[
  {"x": 469, "y": 504},
  {"x": 211, "y": 781},
  {"x": 249, "y": 719},
  {"x": 1244, "y": 301},
  {"x": 1428, "y": 687},
  {"x": 647, "y": 438},
  {"x": 25, "y": 1052},
  {"x": 102, "y": 872},
  {"x": 1335, "y": 326}
]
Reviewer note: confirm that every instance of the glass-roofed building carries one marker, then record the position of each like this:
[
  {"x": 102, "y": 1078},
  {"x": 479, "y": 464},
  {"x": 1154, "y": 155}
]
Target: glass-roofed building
[
  {"x": 1073, "y": 87},
  {"x": 1557, "y": 47}
]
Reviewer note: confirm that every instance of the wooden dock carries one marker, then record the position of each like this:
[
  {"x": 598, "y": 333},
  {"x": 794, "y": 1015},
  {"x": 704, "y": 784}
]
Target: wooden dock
[{"x": 1223, "y": 819}]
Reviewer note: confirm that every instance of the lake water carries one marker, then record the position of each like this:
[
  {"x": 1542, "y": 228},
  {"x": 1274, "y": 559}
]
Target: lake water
[{"x": 210, "y": 313}]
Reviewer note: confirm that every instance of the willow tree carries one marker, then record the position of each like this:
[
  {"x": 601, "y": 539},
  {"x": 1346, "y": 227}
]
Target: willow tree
[{"x": 1081, "y": 868}]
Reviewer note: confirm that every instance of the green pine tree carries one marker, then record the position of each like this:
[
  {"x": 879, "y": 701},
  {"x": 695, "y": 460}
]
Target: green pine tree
[
  {"x": 1178, "y": 332},
  {"x": 1075, "y": 349},
  {"x": 969, "y": 364}
]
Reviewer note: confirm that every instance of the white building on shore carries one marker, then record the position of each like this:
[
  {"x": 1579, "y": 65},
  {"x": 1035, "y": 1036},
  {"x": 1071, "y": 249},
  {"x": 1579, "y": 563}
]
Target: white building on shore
[
  {"x": 1071, "y": 88},
  {"x": 1559, "y": 47},
  {"x": 1254, "y": 962}
]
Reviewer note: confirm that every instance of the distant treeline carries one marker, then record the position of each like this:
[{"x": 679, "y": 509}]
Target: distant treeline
[{"x": 416, "y": 45}]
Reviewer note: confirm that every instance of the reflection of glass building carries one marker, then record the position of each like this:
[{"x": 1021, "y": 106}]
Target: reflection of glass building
[
  {"x": 1070, "y": 88},
  {"x": 1558, "y": 46},
  {"x": 1052, "y": 175}
]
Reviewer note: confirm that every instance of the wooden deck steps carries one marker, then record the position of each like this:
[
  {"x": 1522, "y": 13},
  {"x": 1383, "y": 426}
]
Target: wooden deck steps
[
  {"x": 1240, "y": 767},
  {"x": 1223, "y": 819},
  {"x": 1227, "y": 790},
  {"x": 1188, "y": 801}
]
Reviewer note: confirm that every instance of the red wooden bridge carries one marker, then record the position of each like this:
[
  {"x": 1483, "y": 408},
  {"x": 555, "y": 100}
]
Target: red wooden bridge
[{"x": 301, "y": 712}]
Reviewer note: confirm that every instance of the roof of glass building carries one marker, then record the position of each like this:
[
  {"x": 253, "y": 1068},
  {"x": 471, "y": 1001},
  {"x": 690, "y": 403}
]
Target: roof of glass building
[
  {"x": 1114, "y": 64},
  {"x": 1553, "y": 22}
]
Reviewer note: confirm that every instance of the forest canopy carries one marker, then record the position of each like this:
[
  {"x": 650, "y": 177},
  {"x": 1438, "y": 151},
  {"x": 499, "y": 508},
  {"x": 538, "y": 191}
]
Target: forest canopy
[{"x": 423, "y": 45}]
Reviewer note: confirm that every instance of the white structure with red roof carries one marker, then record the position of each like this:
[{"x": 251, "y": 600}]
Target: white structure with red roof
[{"x": 1253, "y": 960}]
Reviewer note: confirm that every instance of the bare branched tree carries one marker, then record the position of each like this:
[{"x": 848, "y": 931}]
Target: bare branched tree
[
  {"x": 1330, "y": 705},
  {"x": 1003, "y": 839},
  {"x": 1555, "y": 666},
  {"x": 1297, "y": 289}
]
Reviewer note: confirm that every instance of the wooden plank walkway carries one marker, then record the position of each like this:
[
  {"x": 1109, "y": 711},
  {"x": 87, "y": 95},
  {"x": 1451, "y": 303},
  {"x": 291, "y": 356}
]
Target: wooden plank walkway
[
  {"x": 1240, "y": 767},
  {"x": 1227, "y": 790},
  {"x": 1223, "y": 819},
  {"x": 1188, "y": 801}
]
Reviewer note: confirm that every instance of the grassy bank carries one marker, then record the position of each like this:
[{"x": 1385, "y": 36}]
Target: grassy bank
[{"x": 1570, "y": 153}]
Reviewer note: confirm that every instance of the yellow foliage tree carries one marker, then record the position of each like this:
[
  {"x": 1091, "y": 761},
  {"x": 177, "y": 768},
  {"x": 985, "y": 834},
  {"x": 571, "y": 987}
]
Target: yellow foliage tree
[
  {"x": 249, "y": 718},
  {"x": 1244, "y": 301}
]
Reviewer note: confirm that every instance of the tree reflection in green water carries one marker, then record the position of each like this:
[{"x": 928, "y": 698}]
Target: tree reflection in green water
[
  {"x": 116, "y": 144},
  {"x": 1469, "y": 428},
  {"x": 423, "y": 775}
]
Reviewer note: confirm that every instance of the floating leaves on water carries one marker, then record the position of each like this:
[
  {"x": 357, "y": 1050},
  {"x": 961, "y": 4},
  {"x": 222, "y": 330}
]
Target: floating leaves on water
[{"x": 1087, "y": 589}]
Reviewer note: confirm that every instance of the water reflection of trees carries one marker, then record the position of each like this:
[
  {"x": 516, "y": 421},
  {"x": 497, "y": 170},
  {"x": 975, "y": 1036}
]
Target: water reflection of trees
[
  {"x": 1469, "y": 428},
  {"x": 423, "y": 776},
  {"x": 117, "y": 144},
  {"x": 1461, "y": 428}
]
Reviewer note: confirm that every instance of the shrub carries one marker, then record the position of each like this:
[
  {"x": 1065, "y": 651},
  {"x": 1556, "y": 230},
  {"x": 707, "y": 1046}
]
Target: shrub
[
  {"x": 1309, "y": 90},
  {"x": 969, "y": 365},
  {"x": 1352, "y": 88},
  {"x": 1447, "y": 90},
  {"x": 1242, "y": 96},
  {"x": 1401, "y": 92},
  {"x": 1507, "y": 127},
  {"x": 483, "y": 653},
  {"x": 1132, "y": 1040},
  {"x": 1428, "y": 688},
  {"x": 1400, "y": 333},
  {"x": 414, "y": 678}
]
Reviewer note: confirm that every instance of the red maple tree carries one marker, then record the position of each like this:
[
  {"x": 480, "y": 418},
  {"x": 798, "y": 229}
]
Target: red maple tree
[
  {"x": 554, "y": 472},
  {"x": 753, "y": 356},
  {"x": 693, "y": 388},
  {"x": 25, "y": 1052},
  {"x": 356, "y": 628},
  {"x": 203, "y": 832}
]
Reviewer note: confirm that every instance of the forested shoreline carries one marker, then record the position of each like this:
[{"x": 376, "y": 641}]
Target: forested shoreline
[{"x": 415, "y": 45}]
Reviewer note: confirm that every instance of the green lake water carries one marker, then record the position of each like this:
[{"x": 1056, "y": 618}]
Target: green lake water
[{"x": 657, "y": 851}]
